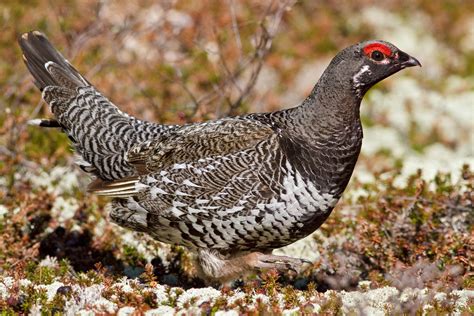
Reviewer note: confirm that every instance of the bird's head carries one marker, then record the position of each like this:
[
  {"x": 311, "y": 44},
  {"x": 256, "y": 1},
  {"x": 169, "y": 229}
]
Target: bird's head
[
  {"x": 366, "y": 63},
  {"x": 376, "y": 60}
]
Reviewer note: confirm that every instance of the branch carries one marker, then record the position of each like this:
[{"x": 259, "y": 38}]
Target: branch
[
  {"x": 263, "y": 43},
  {"x": 253, "y": 62}
]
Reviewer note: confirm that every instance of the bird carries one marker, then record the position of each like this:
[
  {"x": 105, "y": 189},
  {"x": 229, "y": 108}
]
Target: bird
[{"x": 231, "y": 190}]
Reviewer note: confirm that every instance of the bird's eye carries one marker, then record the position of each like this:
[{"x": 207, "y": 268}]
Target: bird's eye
[{"x": 377, "y": 55}]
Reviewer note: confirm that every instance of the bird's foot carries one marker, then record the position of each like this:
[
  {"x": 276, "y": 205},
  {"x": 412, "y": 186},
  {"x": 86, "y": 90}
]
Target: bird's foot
[
  {"x": 218, "y": 269},
  {"x": 281, "y": 263}
]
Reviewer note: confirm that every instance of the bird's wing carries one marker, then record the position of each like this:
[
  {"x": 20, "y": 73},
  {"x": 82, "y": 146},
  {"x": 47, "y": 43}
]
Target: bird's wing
[
  {"x": 196, "y": 141},
  {"x": 192, "y": 144},
  {"x": 208, "y": 175}
]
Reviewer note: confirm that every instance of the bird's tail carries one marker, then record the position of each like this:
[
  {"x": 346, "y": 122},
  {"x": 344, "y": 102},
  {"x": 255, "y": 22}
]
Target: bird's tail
[
  {"x": 100, "y": 132},
  {"x": 47, "y": 65}
]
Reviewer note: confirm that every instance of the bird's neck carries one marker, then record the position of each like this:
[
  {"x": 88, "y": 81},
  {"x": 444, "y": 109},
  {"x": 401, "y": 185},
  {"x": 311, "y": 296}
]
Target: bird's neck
[
  {"x": 323, "y": 136},
  {"x": 333, "y": 100},
  {"x": 330, "y": 111}
]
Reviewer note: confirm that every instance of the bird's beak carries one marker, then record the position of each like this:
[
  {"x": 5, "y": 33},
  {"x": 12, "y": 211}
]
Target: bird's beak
[{"x": 406, "y": 60}]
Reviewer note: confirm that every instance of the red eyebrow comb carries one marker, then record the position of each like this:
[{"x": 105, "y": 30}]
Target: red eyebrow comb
[{"x": 384, "y": 49}]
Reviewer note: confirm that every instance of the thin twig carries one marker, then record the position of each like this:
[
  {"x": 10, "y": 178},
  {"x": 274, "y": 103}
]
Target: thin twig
[
  {"x": 263, "y": 45},
  {"x": 195, "y": 101},
  {"x": 235, "y": 28},
  {"x": 252, "y": 63}
]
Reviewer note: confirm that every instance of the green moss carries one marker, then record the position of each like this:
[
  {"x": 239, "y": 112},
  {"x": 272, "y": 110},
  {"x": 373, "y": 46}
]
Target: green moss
[
  {"x": 133, "y": 257},
  {"x": 40, "y": 274},
  {"x": 332, "y": 306},
  {"x": 45, "y": 141},
  {"x": 290, "y": 296}
]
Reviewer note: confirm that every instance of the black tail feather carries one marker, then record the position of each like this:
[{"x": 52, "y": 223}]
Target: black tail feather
[{"x": 37, "y": 52}]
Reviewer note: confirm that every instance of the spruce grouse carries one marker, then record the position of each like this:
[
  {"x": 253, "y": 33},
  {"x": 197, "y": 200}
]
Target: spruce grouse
[{"x": 231, "y": 190}]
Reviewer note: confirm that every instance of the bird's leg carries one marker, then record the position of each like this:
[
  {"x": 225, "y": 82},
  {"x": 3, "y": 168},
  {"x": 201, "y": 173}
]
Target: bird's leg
[{"x": 215, "y": 267}]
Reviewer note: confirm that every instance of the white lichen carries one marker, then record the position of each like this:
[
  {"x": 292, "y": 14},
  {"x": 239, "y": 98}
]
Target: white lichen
[
  {"x": 463, "y": 299},
  {"x": 126, "y": 311},
  {"x": 231, "y": 312},
  {"x": 59, "y": 180},
  {"x": 198, "y": 296},
  {"x": 64, "y": 209},
  {"x": 3, "y": 210},
  {"x": 371, "y": 302},
  {"x": 51, "y": 289},
  {"x": 163, "y": 310},
  {"x": 49, "y": 262}
]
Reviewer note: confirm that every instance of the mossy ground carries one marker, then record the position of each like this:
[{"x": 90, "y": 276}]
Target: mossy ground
[{"x": 400, "y": 240}]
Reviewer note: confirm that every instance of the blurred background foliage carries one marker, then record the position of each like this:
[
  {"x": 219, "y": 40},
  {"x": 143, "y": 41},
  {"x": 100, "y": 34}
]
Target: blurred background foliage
[{"x": 184, "y": 61}]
